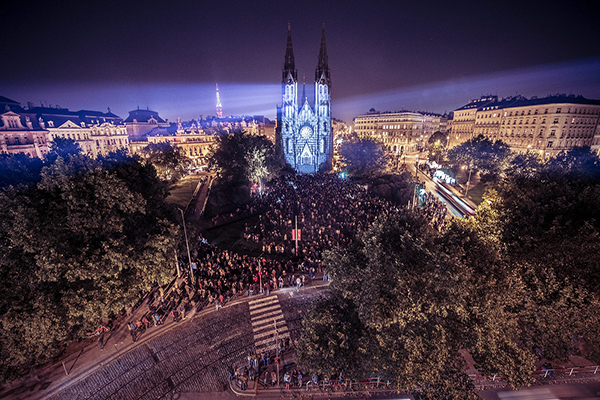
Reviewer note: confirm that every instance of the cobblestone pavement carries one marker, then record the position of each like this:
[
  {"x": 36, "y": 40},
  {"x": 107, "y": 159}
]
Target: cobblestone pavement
[{"x": 193, "y": 357}]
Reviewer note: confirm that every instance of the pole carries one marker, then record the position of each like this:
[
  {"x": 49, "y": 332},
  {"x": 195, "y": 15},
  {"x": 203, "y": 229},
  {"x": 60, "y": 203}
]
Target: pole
[
  {"x": 414, "y": 199},
  {"x": 468, "y": 181},
  {"x": 177, "y": 264},
  {"x": 296, "y": 218},
  {"x": 187, "y": 243},
  {"x": 66, "y": 373}
]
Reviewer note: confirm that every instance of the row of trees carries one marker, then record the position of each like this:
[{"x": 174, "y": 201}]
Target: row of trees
[
  {"x": 80, "y": 239},
  {"x": 516, "y": 284}
]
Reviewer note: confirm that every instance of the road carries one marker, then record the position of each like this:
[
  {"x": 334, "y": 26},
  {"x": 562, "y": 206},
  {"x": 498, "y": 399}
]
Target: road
[
  {"x": 430, "y": 185},
  {"x": 570, "y": 391},
  {"x": 190, "y": 357}
]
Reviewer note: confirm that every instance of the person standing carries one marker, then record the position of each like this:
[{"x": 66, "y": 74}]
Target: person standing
[
  {"x": 287, "y": 379},
  {"x": 273, "y": 378}
]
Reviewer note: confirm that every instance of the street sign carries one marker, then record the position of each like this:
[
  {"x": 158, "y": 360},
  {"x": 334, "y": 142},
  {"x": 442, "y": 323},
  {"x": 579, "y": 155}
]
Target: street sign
[{"x": 298, "y": 233}]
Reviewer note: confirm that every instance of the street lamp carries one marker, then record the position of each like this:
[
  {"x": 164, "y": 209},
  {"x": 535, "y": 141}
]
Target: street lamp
[{"x": 187, "y": 244}]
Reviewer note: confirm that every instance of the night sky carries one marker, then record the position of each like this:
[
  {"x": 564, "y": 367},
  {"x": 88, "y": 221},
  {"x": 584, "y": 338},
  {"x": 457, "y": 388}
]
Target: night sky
[{"x": 390, "y": 55}]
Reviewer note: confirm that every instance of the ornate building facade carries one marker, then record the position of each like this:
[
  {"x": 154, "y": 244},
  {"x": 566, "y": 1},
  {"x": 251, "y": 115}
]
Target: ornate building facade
[
  {"x": 140, "y": 122},
  {"x": 401, "y": 131},
  {"x": 188, "y": 136},
  {"x": 545, "y": 125},
  {"x": 21, "y": 131},
  {"x": 304, "y": 132},
  {"x": 32, "y": 129}
]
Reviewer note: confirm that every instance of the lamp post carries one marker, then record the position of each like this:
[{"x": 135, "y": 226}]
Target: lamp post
[{"x": 187, "y": 244}]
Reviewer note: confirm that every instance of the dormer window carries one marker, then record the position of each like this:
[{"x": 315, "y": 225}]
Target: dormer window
[{"x": 51, "y": 124}]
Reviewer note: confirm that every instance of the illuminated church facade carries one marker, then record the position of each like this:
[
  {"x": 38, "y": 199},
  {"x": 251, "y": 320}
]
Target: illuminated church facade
[{"x": 305, "y": 134}]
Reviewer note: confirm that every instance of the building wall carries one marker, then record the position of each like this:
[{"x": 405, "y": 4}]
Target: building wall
[
  {"x": 399, "y": 131},
  {"x": 547, "y": 125},
  {"x": 196, "y": 146}
]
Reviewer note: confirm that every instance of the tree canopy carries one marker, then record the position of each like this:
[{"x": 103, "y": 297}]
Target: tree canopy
[
  {"x": 363, "y": 156},
  {"x": 514, "y": 285},
  {"x": 240, "y": 160},
  {"x": 482, "y": 155},
  {"x": 396, "y": 188},
  {"x": 81, "y": 242},
  {"x": 170, "y": 162}
]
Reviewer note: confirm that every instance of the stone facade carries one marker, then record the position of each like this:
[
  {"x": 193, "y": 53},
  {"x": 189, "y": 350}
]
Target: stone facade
[
  {"x": 544, "y": 125},
  {"x": 402, "y": 131},
  {"x": 304, "y": 132}
]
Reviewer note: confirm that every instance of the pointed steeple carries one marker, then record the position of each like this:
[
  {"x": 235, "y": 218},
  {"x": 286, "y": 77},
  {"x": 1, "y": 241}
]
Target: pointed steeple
[
  {"x": 304, "y": 97},
  {"x": 219, "y": 106},
  {"x": 289, "y": 67},
  {"x": 322, "y": 73}
]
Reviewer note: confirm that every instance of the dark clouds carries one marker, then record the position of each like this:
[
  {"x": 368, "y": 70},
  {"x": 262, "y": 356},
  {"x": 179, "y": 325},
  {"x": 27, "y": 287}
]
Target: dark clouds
[{"x": 373, "y": 45}]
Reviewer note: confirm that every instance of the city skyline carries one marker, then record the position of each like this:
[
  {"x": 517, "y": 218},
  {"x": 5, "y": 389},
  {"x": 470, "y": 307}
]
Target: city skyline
[{"x": 388, "y": 57}]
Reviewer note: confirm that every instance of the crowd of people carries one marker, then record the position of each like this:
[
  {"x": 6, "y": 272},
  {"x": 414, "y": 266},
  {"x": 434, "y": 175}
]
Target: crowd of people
[
  {"x": 223, "y": 274},
  {"x": 326, "y": 209}
]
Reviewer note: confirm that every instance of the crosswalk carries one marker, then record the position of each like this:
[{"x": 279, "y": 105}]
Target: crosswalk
[{"x": 268, "y": 323}]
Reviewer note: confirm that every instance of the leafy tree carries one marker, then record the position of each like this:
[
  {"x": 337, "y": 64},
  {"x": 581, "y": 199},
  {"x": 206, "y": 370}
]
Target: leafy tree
[
  {"x": 524, "y": 164},
  {"x": 331, "y": 338},
  {"x": 19, "y": 169},
  {"x": 439, "y": 138},
  {"x": 260, "y": 159},
  {"x": 550, "y": 215},
  {"x": 363, "y": 156},
  {"x": 240, "y": 160},
  {"x": 482, "y": 155},
  {"x": 399, "y": 311},
  {"x": 396, "y": 188},
  {"x": 410, "y": 299},
  {"x": 62, "y": 147},
  {"x": 437, "y": 144},
  {"x": 170, "y": 162},
  {"x": 77, "y": 248}
]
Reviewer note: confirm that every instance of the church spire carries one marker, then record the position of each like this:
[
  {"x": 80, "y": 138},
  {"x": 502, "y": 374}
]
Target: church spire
[
  {"x": 322, "y": 72},
  {"x": 304, "y": 97},
  {"x": 219, "y": 106},
  {"x": 289, "y": 67}
]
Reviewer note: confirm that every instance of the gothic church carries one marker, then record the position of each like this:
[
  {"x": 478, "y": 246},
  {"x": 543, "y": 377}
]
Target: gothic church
[{"x": 305, "y": 135}]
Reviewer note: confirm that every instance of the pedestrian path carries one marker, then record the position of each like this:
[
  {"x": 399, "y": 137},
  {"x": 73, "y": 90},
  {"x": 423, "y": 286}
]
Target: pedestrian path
[{"x": 268, "y": 323}]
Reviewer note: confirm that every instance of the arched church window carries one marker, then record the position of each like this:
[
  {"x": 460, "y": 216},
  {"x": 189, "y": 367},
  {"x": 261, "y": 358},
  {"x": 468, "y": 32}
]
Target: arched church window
[{"x": 323, "y": 145}]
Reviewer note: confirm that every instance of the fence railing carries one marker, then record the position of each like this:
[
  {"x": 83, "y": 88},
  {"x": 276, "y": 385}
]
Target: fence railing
[{"x": 547, "y": 373}]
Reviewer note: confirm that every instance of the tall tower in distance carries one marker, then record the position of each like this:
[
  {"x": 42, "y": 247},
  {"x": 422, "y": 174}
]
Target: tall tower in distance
[
  {"x": 219, "y": 106},
  {"x": 304, "y": 132}
]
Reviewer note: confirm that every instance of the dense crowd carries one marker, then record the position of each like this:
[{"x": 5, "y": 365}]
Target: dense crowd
[
  {"x": 327, "y": 210},
  {"x": 222, "y": 274}
]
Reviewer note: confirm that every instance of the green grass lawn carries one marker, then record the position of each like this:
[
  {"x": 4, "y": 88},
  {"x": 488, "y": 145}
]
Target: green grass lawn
[{"x": 182, "y": 191}]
